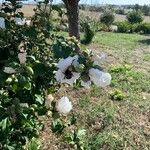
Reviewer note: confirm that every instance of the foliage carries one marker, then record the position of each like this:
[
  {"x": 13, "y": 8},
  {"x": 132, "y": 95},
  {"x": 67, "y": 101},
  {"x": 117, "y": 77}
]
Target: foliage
[
  {"x": 107, "y": 18},
  {"x": 87, "y": 26},
  {"x": 57, "y": 126},
  {"x": 93, "y": 24},
  {"x": 34, "y": 144},
  {"x": 146, "y": 10},
  {"x": 134, "y": 17},
  {"x": 29, "y": 59},
  {"x": 63, "y": 47},
  {"x": 22, "y": 93},
  {"x": 137, "y": 7},
  {"x": 143, "y": 28},
  {"x": 117, "y": 95},
  {"x": 121, "y": 68},
  {"x": 124, "y": 27},
  {"x": 91, "y": 8},
  {"x": 76, "y": 139},
  {"x": 120, "y": 11}
]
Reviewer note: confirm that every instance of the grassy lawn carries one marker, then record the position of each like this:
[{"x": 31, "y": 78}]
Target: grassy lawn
[
  {"x": 118, "y": 41},
  {"x": 147, "y": 56},
  {"x": 117, "y": 117}
]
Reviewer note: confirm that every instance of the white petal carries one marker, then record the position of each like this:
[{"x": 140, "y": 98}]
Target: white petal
[
  {"x": 105, "y": 79},
  {"x": 72, "y": 80},
  {"x": 63, "y": 64},
  {"x": 95, "y": 75},
  {"x": 59, "y": 75},
  {"x": 75, "y": 63},
  {"x": 76, "y": 75},
  {"x": 22, "y": 57},
  {"x": 9, "y": 70},
  {"x": 2, "y": 22},
  {"x": 86, "y": 84},
  {"x": 95, "y": 72},
  {"x": 76, "y": 57},
  {"x": 64, "y": 105}
]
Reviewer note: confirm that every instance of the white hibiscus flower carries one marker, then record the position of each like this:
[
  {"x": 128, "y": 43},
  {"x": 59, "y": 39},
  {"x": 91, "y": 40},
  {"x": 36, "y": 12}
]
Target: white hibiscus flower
[
  {"x": 105, "y": 79},
  {"x": 22, "y": 57},
  {"x": 63, "y": 105},
  {"x": 9, "y": 70},
  {"x": 95, "y": 75},
  {"x": 63, "y": 64},
  {"x": 59, "y": 75},
  {"x": 65, "y": 74},
  {"x": 99, "y": 78}
]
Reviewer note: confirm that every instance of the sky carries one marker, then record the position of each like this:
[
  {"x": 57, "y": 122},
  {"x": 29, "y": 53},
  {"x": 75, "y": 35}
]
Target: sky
[{"x": 118, "y": 2}]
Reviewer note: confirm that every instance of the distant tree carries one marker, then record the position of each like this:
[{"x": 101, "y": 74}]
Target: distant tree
[
  {"x": 82, "y": 6},
  {"x": 96, "y": 8},
  {"x": 146, "y": 10},
  {"x": 137, "y": 7},
  {"x": 134, "y": 17},
  {"x": 120, "y": 11},
  {"x": 107, "y": 18},
  {"x": 110, "y": 8}
]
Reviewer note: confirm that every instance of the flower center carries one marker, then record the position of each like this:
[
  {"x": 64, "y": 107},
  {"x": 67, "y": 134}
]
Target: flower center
[{"x": 68, "y": 74}]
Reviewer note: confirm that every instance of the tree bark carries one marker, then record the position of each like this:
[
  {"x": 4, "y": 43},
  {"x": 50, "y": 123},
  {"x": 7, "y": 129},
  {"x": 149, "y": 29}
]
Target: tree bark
[{"x": 73, "y": 17}]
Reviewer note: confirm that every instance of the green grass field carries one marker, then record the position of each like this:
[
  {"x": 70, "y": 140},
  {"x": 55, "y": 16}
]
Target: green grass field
[{"x": 117, "y": 117}]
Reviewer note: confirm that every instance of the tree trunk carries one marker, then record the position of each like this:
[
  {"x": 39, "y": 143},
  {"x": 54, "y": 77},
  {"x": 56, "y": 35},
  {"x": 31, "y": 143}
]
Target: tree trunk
[{"x": 73, "y": 17}]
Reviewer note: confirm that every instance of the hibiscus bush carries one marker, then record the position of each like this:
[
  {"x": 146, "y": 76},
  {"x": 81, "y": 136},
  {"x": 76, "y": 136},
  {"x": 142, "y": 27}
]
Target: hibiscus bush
[{"x": 34, "y": 62}]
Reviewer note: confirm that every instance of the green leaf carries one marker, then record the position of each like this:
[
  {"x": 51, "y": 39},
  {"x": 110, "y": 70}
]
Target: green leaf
[
  {"x": 57, "y": 126},
  {"x": 10, "y": 147},
  {"x": 33, "y": 144},
  {"x": 39, "y": 99},
  {"x": 4, "y": 124},
  {"x": 27, "y": 85},
  {"x": 32, "y": 57},
  {"x": 29, "y": 70},
  {"x": 81, "y": 133}
]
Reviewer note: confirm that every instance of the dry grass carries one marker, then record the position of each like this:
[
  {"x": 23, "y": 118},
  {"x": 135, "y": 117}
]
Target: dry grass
[{"x": 28, "y": 10}]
